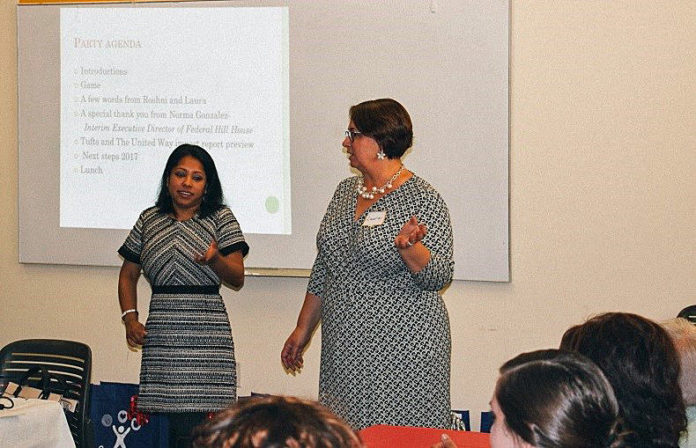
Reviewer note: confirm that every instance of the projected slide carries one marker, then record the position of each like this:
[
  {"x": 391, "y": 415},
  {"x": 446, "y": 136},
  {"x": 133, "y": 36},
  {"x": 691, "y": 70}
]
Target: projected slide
[{"x": 137, "y": 82}]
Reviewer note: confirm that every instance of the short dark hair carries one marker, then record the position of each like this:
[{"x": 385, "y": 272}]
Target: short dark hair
[
  {"x": 213, "y": 198},
  {"x": 641, "y": 363},
  {"x": 386, "y": 121},
  {"x": 275, "y": 422},
  {"x": 558, "y": 399}
]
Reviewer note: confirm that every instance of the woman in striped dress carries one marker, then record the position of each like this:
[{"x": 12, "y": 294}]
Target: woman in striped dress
[{"x": 186, "y": 245}]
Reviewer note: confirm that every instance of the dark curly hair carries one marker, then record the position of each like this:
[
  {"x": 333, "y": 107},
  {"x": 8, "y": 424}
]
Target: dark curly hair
[
  {"x": 212, "y": 199},
  {"x": 275, "y": 422},
  {"x": 387, "y": 122},
  {"x": 558, "y": 399},
  {"x": 640, "y": 361}
]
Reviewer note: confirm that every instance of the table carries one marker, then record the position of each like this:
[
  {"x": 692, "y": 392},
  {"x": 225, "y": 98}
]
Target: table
[
  {"x": 386, "y": 436},
  {"x": 34, "y": 423}
]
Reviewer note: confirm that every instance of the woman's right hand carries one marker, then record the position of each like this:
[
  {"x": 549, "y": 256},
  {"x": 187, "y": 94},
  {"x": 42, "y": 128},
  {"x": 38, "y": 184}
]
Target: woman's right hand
[
  {"x": 291, "y": 356},
  {"x": 135, "y": 332}
]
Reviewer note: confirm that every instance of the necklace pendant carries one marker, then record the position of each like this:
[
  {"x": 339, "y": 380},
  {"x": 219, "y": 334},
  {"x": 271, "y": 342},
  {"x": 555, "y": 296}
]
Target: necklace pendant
[{"x": 364, "y": 193}]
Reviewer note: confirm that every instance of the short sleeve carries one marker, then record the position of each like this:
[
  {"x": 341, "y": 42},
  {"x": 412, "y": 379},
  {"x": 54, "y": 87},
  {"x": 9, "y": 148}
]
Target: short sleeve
[
  {"x": 132, "y": 247},
  {"x": 229, "y": 234}
]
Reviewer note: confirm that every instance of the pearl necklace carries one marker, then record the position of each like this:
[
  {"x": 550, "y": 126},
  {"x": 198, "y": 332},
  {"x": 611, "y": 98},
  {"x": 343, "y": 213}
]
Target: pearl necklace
[{"x": 362, "y": 189}]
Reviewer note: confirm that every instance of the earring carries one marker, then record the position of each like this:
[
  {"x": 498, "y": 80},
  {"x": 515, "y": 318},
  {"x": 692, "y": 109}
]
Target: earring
[{"x": 381, "y": 155}]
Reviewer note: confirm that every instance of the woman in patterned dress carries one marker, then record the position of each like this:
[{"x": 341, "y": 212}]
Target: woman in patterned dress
[
  {"x": 187, "y": 244},
  {"x": 384, "y": 252}
]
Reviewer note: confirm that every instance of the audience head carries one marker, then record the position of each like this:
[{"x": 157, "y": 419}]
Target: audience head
[
  {"x": 554, "y": 399},
  {"x": 640, "y": 361},
  {"x": 387, "y": 122},
  {"x": 688, "y": 313},
  {"x": 683, "y": 334},
  {"x": 275, "y": 422},
  {"x": 213, "y": 197}
]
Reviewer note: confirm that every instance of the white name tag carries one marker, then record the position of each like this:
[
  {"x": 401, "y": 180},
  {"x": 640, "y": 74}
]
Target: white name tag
[{"x": 374, "y": 219}]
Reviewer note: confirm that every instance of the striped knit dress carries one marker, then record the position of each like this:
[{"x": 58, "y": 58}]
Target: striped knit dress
[{"x": 188, "y": 360}]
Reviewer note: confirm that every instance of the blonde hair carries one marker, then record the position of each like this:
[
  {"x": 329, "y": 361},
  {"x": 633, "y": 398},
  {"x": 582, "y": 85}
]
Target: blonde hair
[
  {"x": 276, "y": 422},
  {"x": 683, "y": 334}
]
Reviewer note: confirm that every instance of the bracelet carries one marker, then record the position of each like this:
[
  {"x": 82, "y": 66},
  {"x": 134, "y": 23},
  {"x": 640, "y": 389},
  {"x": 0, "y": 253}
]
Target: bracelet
[{"x": 132, "y": 310}]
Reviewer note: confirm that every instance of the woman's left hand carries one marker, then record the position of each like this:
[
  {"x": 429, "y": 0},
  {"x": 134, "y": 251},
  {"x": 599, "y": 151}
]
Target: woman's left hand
[
  {"x": 209, "y": 256},
  {"x": 411, "y": 233}
]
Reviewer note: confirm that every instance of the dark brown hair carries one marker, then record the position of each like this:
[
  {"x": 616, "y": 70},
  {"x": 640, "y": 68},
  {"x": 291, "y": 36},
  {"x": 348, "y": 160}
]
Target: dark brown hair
[
  {"x": 386, "y": 121},
  {"x": 275, "y": 422},
  {"x": 558, "y": 399},
  {"x": 640, "y": 361}
]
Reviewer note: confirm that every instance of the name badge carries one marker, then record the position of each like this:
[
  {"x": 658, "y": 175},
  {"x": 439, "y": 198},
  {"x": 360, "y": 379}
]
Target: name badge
[{"x": 374, "y": 219}]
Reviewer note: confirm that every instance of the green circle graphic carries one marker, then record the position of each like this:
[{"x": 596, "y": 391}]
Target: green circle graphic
[{"x": 272, "y": 204}]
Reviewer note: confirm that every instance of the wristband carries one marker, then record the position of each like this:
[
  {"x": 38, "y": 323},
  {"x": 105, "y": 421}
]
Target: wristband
[{"x": 132, "y": 310}]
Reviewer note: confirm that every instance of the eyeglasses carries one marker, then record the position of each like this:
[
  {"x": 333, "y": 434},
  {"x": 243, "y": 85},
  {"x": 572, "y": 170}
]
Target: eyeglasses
[{"x": 351, "y": 134}]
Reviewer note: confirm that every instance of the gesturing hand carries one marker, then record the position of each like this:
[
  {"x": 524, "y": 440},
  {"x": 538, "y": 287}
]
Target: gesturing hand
[
  {"x": 411, "y": 233},
  {"x": 210, "y": 254}
]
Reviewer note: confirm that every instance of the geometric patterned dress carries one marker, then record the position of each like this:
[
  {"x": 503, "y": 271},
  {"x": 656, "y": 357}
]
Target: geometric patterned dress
[
  {"x": 188, "y": 360},
  {"x": 385, "y": 335}
]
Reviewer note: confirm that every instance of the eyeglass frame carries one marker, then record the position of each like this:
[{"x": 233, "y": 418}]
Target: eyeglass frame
[{"x": 351, "y": 134}]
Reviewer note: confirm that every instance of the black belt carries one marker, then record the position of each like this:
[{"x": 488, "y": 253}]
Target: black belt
[{"x": 186, "y": 289}]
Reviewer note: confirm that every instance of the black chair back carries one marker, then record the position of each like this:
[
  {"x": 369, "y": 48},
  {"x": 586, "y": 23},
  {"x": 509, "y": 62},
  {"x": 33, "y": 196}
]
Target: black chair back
[{"x": 69, "y": 364}]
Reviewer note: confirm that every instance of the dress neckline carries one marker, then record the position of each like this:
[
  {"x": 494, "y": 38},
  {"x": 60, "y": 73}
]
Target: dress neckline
[
  {"x": 355, "y": 199},
  {"x": 173, "y": 218}
]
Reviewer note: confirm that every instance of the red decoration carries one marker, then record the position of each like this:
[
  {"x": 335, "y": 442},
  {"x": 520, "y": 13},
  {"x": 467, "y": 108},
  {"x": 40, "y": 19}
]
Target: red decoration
[{"x": 142, "y": 418}]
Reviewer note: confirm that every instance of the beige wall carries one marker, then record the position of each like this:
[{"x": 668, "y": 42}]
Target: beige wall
[{"x": 602, "y": 206}]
